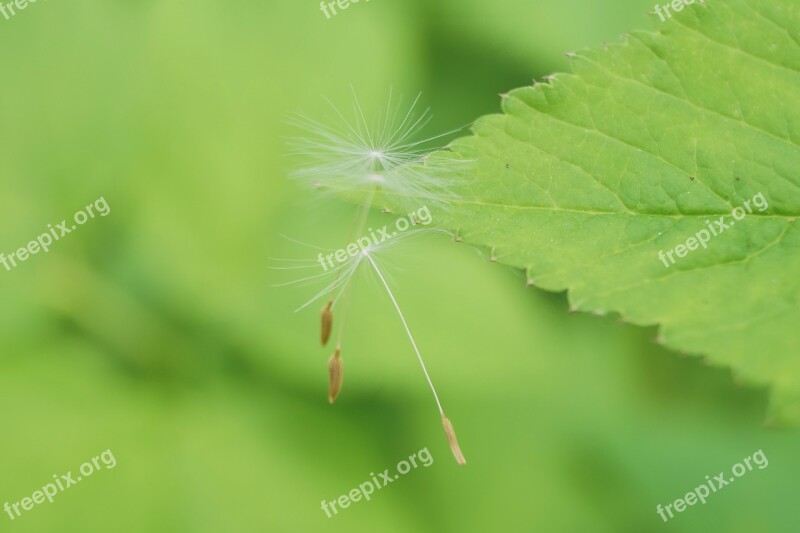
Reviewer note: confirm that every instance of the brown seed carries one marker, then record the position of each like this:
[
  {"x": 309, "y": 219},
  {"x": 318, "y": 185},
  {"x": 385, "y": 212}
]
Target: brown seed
[
  {"x": 451, "y": 438},
  {"x": 336, "y": 373},
  {"x": 327, "y": 322}
]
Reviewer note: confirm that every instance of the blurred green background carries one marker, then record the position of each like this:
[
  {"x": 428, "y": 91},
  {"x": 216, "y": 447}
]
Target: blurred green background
[{"x": 156, "y": 332}]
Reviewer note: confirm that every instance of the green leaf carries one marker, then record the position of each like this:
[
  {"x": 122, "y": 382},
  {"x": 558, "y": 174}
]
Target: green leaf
[{"x": 583, "y": 180}]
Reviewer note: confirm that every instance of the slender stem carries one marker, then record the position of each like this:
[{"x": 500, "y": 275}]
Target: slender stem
[
  {"x": 356, "y": 231},
  {"x": 367, "y": 207},
  {"x": 360, "y": 221},
  {"x": 408, "y": 331},
  {"x": 346, "y": 303}
]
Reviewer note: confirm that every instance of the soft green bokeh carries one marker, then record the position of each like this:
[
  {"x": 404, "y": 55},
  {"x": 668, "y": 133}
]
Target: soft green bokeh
[{"x": 156, "y": 331}]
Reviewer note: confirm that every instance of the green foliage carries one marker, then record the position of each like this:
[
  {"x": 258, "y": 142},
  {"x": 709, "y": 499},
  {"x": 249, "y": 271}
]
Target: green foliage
[{"x": 585, "y": 179}]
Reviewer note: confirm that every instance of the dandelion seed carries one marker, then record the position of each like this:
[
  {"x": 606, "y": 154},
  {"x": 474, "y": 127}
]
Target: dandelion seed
[
  {"x": 448, "y": 427},
  {"x": 348, "y": 155},
  {"x": 337, "y": 290},
  {"x": 335, "y": 374},
  {"x": 327, "y": 322},
  {"x": 451, "y": 438}
]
